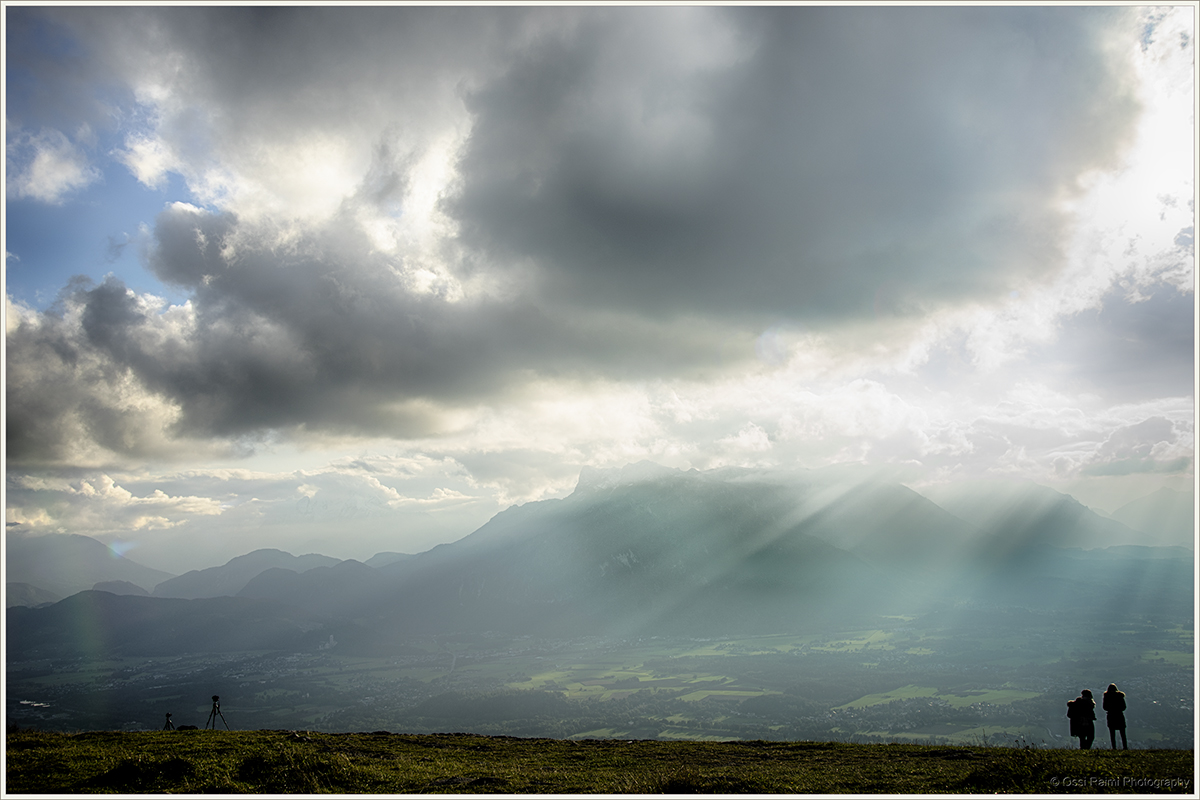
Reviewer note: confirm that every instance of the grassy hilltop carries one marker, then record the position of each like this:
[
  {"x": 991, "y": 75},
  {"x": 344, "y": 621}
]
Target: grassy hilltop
[{"x": 385, "y": 763}]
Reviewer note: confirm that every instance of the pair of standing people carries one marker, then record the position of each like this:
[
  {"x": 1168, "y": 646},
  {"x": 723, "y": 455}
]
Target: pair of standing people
[{"x": 1082, "y": 713}]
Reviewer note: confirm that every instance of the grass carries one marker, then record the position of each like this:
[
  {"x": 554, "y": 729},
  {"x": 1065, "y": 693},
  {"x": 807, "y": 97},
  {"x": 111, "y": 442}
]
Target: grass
[{"x": 384, "y": 763}]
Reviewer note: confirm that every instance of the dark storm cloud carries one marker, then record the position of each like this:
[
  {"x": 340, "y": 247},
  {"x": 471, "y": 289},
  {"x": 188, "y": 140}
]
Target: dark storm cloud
[
  {"x": 63, "y": 394},
  {"x": 321, "y": 334},
  {"x": 852, "y": 155},
  {"x": 270, "y": 63},
  {"x": 234, "y": 82}
]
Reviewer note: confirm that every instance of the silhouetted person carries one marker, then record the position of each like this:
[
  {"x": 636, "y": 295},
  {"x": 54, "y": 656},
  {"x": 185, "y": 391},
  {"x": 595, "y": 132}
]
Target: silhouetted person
[
  {"x": 1114, "y": 704},
  {"x": 168, "y": 726},
  {"x": 216, "y": 712},
  {"x": 1082, "y": 713}
]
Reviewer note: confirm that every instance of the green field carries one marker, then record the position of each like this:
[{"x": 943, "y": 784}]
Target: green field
[
  {"x": 1171, "y": 657},
  {"x": 306, "y": 762},
  {"x": 955, "y": 700}
]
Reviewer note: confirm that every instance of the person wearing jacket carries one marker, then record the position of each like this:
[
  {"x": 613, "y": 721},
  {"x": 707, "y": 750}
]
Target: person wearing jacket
[
  {"x": 1114, "y": 704},
  {"x": 1082, "y": 713}
]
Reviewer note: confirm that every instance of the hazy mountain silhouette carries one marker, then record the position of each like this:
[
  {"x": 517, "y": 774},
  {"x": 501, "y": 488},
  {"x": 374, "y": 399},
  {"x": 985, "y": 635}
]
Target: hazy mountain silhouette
[
  {"x": 1122, "y": 579},
  {"x": 1166, "y": 517},
  {"x": 649, "y": 550},
  {"x": 383, "y": 559},
  {"x": 230, "y": 578},
  {"x": 1018, "y": 519},
  {"x": 885, "y": 523},
  {"x": 653, "y": 549},
  {"x": 1039, "y": 547},
  {"x": 150, "y": 626},
  {"x": 26, "y": 594},
  {"x": 120, "y": 587},
  {"x": 63, "y": 564},
  {"x": 347, "y": 588}
]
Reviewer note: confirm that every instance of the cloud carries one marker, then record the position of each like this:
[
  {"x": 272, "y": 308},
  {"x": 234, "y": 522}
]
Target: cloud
[
  {"x": 635, "y": 190},
  {"x": 348, "y": 507},
  {"x": 148, "y": 160},
  {"x": 99, "y": 505},
  {"x": 276, "y": 111},
  {"x": 1133, "y": 466},
  {"x": 1152, "y": 445},
  {"x": 322, "y": 334},
  {"x": 837, "y": 162},
  {"x": 66, "y": 402},
  {"x": 46, "y": 166},
  {"x": 56, "y": 78}
]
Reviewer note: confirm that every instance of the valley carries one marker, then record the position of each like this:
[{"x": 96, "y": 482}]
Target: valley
[{"x": 934, "y": 678}]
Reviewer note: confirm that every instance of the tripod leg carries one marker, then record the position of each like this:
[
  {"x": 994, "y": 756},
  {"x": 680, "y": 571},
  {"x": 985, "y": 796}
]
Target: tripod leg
[{"x": 222, "y": 720}]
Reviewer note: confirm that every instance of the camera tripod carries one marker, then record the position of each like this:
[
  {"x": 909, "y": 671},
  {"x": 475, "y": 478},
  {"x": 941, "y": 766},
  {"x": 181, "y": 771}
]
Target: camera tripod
[{"x": 216, "y": 712}]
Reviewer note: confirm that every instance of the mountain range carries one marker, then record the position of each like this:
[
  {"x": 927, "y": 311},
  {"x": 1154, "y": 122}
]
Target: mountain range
[
  {"x": 643, "y": 550},
  {"x": 63, "y": 564},
  {"x": 230, "y": 578}
]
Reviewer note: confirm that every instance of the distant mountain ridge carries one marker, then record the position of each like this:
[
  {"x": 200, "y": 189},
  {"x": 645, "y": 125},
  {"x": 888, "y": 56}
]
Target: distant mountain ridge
[
  {"x": 1166, "y": 517},
  {"x": 385, "y": 558},
  {"x": 26, "y": 594},
  {"x": 346, "y": 587},
  {"x": 641, "y": 545},
  {"x": 152, "y": 626},
  {"x": 120, "y": 587},
  {"x": 230, "y": 578},
  {"x": 63, "y": 564},
  {"x": 1013, "y": 516},
  {"x": 730, "y": 548},
  {"x": 646, "y": 550}
]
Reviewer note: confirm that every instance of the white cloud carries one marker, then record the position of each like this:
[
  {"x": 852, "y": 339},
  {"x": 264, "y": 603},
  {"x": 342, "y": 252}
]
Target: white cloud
[
  {"x": 148, "y": 159},
  {"x": 46, "y": 166},
  {"x": 99, "y": 505},
  {"x": 1136, "y": 221}
]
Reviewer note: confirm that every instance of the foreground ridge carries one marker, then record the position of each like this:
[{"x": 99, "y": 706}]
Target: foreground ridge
[{"x": 460, "y": 763}]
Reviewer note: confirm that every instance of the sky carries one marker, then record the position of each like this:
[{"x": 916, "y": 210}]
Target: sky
[{"x": 353, "y": 280}]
